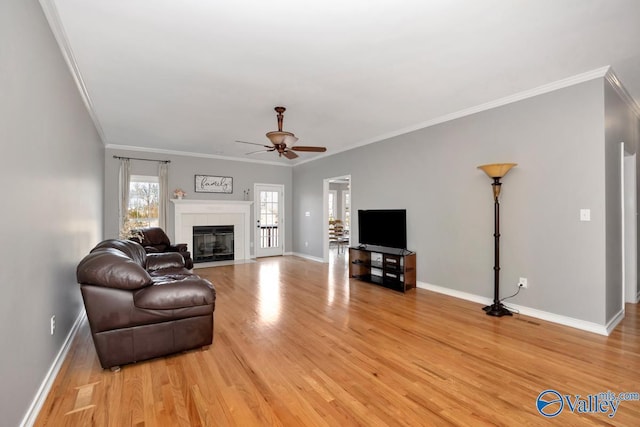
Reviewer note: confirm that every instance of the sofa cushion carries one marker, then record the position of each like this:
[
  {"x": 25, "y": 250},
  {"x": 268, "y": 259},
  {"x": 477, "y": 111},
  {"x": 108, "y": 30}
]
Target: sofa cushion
[
  {"x": 111, "y": 268},
  {"x": 164, "y": 261},
  {"x": 173, "y": 294}
]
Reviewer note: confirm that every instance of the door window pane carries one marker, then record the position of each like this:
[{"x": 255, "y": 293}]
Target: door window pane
[{"x": 269, "y": 236}]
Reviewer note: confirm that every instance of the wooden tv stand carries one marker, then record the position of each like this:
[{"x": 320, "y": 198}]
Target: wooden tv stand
[{"x": 389, "y": 267}]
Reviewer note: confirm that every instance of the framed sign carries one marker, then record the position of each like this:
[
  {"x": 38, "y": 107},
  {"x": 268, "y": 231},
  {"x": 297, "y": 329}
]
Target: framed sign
[{"x": 214, "y": 184}]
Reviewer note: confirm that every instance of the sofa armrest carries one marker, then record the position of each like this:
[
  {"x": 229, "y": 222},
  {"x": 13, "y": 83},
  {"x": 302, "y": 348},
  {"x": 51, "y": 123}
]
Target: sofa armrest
[
  {"x": 111, "y": 268},
  {"x": 164, "y": 260},
  {"x": 108, "y": 308},
  {"x": 188, "y": 292},
  {"x": 180, "y": 247}
]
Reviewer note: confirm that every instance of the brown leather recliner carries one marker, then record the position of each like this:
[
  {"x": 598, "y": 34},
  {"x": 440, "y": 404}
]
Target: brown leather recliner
[
  {"x": 143, "y": 306},
  {"x": 155, "y": 240}
]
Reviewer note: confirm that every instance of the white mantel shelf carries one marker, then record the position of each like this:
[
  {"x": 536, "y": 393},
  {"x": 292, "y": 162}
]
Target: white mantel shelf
[
  {"x": 194, "y": 212},
  {"x": 211, "y": 202}
]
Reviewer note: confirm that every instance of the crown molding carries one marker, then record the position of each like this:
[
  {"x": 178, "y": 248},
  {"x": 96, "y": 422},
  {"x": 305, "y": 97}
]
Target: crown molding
[
  {"x": 53, "y": 18},
  {"x": 603, "y": 72},
  {"x": 540, "y": 90},
  {"x": 191, "y": 154},
  {"x": 622, "y": 92}
]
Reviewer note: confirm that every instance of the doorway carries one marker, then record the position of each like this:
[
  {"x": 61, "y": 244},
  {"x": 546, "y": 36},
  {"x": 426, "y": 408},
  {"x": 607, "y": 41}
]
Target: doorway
[
  {"x": 269, "y": 214},
  {"x": 336, "y": 219}
]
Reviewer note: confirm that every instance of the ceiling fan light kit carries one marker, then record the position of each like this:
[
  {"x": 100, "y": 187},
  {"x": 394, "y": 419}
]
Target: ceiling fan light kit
[
  {"x": 283, "y": 141},
  {"x": 278, "y": 137}
]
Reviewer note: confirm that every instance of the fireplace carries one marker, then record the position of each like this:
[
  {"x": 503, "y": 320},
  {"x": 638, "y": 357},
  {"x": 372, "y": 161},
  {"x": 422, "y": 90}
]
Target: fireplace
[
  {"x": 189, "y": 213},
  {"x": 213, "y": 243}
]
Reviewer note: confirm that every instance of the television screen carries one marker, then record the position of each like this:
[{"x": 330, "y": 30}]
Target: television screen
[{"x": 383, "y": 227}]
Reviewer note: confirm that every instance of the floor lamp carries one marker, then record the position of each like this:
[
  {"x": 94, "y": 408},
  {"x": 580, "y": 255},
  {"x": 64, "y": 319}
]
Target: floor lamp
[{"x": 496, "y": 171}]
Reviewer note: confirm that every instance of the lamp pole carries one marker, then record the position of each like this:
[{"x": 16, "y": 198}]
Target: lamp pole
[{"x": 495, "y": 172}]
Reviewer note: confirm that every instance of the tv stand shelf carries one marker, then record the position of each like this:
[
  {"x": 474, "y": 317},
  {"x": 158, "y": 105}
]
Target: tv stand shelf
[{"x": 389, "y": 267}]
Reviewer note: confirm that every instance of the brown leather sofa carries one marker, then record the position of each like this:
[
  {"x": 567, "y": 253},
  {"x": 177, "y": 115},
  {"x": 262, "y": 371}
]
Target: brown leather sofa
[
  {"x": 155, "y": 240},
  {"x": 142, "y": 306}
]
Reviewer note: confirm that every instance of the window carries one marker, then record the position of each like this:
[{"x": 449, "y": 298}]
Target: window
[
  {"x": 144, "y": 192},
  {"x": 346, "y": 209},
  {"x": 332, "y": 202}
]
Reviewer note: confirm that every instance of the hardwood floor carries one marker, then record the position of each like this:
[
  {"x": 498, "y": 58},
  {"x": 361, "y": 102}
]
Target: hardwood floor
[{"x": 299, "y": 344}]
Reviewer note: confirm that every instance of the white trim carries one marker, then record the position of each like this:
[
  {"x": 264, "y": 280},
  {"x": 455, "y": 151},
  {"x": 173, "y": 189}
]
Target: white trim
[
  {"x": 51, "y": 13},
  {"x": 309, "y": 257},
  {"x": 191, "y": 154},
  {"x": 622, "y": 92},
  {"x": 45, "y": 387},
  {"x": 611, "y": 325},
  {"x": 213, "y": 264},
  {"x": 454, "y": 293},
  {"x": 527, "y": 311},
  {"x": 540, "y": 90}
]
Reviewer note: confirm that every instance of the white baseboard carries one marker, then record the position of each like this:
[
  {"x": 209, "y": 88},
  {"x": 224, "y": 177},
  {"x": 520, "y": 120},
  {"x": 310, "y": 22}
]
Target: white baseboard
[
  {"x": 528, "y": 311},
  {"x": 309, "y": 257},
  {"x": 611, "y": 325},
  {"x": 42, "y": 393},
  {"x": 210, "y": 264}
]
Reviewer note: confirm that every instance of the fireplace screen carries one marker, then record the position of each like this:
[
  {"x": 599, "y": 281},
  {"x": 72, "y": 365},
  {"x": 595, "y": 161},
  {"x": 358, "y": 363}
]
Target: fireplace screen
[{"x": 212, "y": 243}]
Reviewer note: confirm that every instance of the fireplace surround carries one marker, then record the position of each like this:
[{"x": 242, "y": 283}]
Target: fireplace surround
[{"x": 237, "y": 213}]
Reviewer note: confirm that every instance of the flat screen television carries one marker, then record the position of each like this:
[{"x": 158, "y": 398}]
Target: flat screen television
[{"x": 383, "y": 227}]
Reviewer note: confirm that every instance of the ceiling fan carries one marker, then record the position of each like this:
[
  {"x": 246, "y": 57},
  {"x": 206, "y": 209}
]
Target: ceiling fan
[{"x": 282, "y": 141}]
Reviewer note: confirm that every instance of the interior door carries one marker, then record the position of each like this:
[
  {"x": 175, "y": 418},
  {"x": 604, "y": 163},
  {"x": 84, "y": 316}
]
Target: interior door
[{"x": 269, "y": 203}]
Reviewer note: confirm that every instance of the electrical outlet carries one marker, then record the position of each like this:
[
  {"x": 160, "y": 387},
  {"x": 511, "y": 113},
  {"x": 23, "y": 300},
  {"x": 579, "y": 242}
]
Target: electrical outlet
[
  {"x": 306, "y": 244},
  {"x": 53, "y": 324},
  {"x": 523, "y": 282}
]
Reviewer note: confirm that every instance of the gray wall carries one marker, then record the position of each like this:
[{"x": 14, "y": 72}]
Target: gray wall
[
  {"x": 621, "y": 125},
  {"x": 52, "y": 175},
  {"x": 557, "y": 139},
  {"x": 181, "y": 175}
]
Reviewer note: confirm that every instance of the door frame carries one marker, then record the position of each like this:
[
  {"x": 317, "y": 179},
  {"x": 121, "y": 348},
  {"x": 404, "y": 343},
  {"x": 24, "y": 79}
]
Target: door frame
[
  {"x": 629, "y": 227},
  {"x": 281, "y": 220}
]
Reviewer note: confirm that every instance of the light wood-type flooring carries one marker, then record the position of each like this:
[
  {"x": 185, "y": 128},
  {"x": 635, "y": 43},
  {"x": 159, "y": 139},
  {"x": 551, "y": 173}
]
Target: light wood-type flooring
[{"x": 299, "y": 344}]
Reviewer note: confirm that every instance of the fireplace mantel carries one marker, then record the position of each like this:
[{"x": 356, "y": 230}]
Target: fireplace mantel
[{"x": 190, "y": 212}]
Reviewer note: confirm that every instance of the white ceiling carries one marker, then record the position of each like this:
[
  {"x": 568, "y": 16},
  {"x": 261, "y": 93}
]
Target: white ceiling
[{"x": 196, "y": 75}]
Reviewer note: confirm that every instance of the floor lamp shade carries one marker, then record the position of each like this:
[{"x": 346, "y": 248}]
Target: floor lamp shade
[{"x": 496, "y": 171}]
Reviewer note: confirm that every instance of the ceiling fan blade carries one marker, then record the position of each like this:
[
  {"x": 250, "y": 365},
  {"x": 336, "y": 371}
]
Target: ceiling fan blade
[
  {"x": 253, "y": 143},
  {"x": 309, "y": 148},
  {"x": 290, "y": 154},
  {"x": 259, "y": 151}
]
